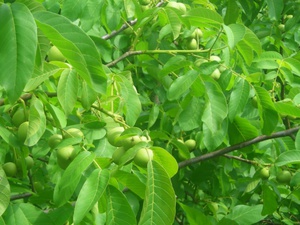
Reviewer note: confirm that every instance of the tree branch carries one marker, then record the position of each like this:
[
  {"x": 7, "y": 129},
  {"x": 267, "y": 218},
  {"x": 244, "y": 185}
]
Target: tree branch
[
  {"x": 237, "y": 146},
  {"x": 20, "y": 196}
]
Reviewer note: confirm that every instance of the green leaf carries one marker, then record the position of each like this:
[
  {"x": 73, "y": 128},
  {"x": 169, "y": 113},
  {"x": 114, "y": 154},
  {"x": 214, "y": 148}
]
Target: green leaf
[
  {"x": 232, "y": 12},
  {"x": 238, "y": 95},
  {"x": 173, "y": 64},
  {"x": 159, "y": 204},
  {"x": 267, "y": 111},
  {"x": 40, "y": 75},
  {"x": 275, "y": 9},
  {"x": 67, "y": 90},
  {"x": 88, "y": 95},
  {"x": 216, "y": 107},
  {"x": 130, "y": 99},
  {"x": 90, "y": 193},
  {"x": 59, "y": 118},
  {"x": 68, "y": 182},
  {"x": 288, "y": 157},
  {"x": 118, "y": 209},
  {"x": 132, "y": 182},
  {"x": 190, "y": 117},
  {"x": 269, "y": 201},
  {"x": 181, "y": 85},
  {"x": 293, "y": 64},
  {"x": 174, "y": 21},
  {"x": 18, "y": 41},
  {"x": 76, "y": 46},
  {"x": 249, "y": 44},
  {"x": 154, "y": 113},
  {"x": 287, "y": 109},
  {"x": 166, "y": 160},
  {"x": 37, "y": 122},
  {"x": 203, "y": 17},
  {"x": 235, "y": 33},
  {"x": 4, "y": 192},
  {"x": 241, "y": 130},
  {"x": 72, "y": 9},
  {"x": 245, "y": 215},
  {"x": 194, "y": 216},
  {"x": 8, "y": 137},
  {"x": 27, "y": 214},
  {"x": 268, "y": 60}
]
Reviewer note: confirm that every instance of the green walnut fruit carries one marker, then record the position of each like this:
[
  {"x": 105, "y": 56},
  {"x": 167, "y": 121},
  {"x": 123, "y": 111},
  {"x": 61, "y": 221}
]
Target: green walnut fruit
[
  {"x": 281, "y": 27},
  {"x": 22, "y": 131},
  {"x": 143, "y": 156},
  {"x": 197, "y": 33},
  {"x": 130, "y": 141},
  {"x": 38, "y": 186},
  {"x": 73, "y": 133},
  {"x": 19, "y": 117},
  {"x": 215, "y": 58},
  {"x": 65, "y": 156},
  {"x": 216, "y": 74},
  {"x": 284, "y": 177},
  {"x": 118, "y": 153},
  {"x": 55, "y": 55},
  {"x": 190, "y": 144},
  {"x": 254, "y": 102},
  {"x": 54, "y": 140},
  {"x": 10, "y": 169},
  {"x": 192, "y": 44},
  {"x": 264, "y": 173},
  {"x": 113, "y": 134},
  {"x": 29, "y": 162},
  {"x": 177, "y": 5},
  {"x": 145, "y": 2}
]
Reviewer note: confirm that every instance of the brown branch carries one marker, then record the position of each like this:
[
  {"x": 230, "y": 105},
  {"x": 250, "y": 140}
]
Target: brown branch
[
  {"x": 20, "y": 196},
  {"x": 27, "y": 96},
  {"x": 116, "y": 32},
  {"x": 223, "y": 151},
  {"x": 125, "y": 55}
]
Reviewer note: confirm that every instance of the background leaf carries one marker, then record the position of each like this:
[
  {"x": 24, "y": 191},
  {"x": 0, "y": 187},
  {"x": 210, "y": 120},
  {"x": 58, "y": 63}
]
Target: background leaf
[{"x": 18, "y": 41}]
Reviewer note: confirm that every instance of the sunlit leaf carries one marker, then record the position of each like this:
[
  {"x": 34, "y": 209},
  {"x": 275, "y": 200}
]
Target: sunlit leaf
[
  {"x": 288, "y": 157},
  {"x": 37, "y": 122},
  {"x": 90, "y": 193},
  {"x": 18, "y": 41},
  {"x": 159, "y": 203},
  {"x": 181, "y": 85},
  {"x": 76, "y": 46},
  {"x": 118, "y": 208},
  {"x": 245, "y": 215},
  {"x": 4, "y": 192},
  {"x": 67, "y": 90},
  {"x": 67, "y": 184}
]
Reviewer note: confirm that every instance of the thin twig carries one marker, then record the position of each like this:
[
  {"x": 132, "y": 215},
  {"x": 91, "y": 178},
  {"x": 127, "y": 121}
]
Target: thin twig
[
  {"x": 237, "y": 146},
  {"x": 240, "y": 159},
  {"x": 116, "y": 32}
]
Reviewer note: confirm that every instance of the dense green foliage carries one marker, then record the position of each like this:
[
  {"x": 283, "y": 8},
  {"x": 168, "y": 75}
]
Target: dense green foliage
[{"x": 149, "y": 112}]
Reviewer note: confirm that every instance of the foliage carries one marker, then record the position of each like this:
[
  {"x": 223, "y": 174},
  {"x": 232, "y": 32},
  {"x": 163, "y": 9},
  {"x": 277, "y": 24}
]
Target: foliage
[{"x": 131, "y": 75}]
